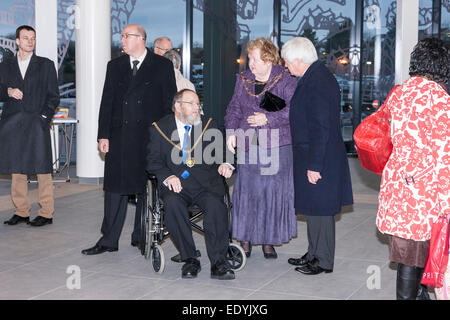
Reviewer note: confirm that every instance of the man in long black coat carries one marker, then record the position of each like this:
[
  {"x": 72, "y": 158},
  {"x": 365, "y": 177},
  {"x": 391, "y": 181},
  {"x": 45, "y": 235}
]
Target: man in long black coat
[
  {"x": 138, "y": 90},
  {"x": 322, "y": 179},
  {"x": 29, "y": 89}
]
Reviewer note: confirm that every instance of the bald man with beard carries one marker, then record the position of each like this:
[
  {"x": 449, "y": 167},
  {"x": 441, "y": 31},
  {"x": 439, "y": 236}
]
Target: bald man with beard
[{"x": 138, "y": 90}]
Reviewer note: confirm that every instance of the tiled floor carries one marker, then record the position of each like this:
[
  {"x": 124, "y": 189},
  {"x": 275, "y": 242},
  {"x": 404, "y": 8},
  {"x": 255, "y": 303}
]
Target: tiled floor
[{"x": 37, "y": 263}]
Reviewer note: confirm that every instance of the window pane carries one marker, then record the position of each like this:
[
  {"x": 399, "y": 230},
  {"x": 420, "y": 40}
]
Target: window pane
[
  {"x": 445, "y": 21},
  {"x": 13, "y": 15},
  {"x": 158, "y": 18},
  {"x": 66, "y": 54},
  {"x": 329, "y": 25},
  {"x": 254, "y": 19},
  {"x": 425, "y": 19},
  {"x": 197, "y": 55},
  {"x": 378, "y": 53}
]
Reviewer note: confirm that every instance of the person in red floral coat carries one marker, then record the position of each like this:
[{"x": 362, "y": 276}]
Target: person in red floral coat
[{"x": 414, "y": 188}]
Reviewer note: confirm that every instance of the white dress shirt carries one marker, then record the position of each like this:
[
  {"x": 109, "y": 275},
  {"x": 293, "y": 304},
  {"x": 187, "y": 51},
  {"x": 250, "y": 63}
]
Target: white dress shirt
[
  {"x": 181, "y": 131},
  {"x": 23, "y": 65},
  {"x": 140, "y": 59}
]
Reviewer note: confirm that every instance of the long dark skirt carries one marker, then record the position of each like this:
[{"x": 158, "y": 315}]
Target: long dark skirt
[{"x": 263, "y": 205}]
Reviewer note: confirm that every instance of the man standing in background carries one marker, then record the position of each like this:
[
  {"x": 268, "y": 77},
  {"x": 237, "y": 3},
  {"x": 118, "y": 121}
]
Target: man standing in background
[
  {"x": 161, "y": 45},
  {"x": 29, "y": 89},
  {"x": 138, "y": 90}
]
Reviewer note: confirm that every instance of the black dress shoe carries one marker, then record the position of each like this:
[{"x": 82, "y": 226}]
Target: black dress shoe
[
  {"x": 271, "y": 254},
  {"x": 135, "y": 243},
  {"x": 300, "y": 261},
  {"x": 177, "y": 258},
  {"x": 312, "y": 268},
  {"x": 190, "y": 269},
  {"x": 40, "y": 221},
  {"x": 15, "y": 219},
  {"x": 222, "y": 271},
  {"x": 97, "y": 249}
]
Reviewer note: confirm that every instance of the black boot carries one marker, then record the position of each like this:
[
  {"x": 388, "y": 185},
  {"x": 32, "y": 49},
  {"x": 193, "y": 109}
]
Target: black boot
[
  {"x": 407, "y": 282},
  {"x": 422, "y": 293}
]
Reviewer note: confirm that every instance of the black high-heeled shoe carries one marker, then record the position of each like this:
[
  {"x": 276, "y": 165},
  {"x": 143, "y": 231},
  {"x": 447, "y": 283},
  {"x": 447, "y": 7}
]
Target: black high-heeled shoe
[
  {"x": 272, "y": 254},
  {"x": 247, "y": 246}
]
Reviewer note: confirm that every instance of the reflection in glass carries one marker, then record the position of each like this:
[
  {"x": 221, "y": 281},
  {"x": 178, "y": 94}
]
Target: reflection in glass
[
  {"x": 378, "y": 53},
  {"x": 445, "y": 18},
  {"x": 254, "y": 19},
  {"x": 329, "y": 25},
  {"x": 197, "y": 54},
  {"x": 13, "y": 13},
  {"x": 425, "y": 19},
  {"x": 162, "y": 19}
]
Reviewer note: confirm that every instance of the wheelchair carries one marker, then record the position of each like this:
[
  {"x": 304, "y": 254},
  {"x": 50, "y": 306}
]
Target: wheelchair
[{"x": 153, "y": 231}]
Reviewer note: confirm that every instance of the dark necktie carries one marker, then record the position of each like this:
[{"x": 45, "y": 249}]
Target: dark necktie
[
  {"x": 186, "y": 143},
  {"x": 135, "y": 69}
]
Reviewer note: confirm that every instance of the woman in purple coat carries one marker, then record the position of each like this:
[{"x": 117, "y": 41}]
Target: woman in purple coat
[{"x": 263, "y": 193}]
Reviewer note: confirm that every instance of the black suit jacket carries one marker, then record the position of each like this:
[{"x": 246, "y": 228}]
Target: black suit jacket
[
  {"x": 129, "y": 106},
  {"x": 24, "y": 133},
  {"x": 161, "y": 155}
]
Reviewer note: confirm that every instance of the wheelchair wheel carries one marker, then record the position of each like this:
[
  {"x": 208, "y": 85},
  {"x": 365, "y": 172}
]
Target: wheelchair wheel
[
  {"x": 148, "y": 222},
  {"x": 144, "y": 230},
  {"x": 157, "y": 258},
  {"x": 236, "y": 257}
]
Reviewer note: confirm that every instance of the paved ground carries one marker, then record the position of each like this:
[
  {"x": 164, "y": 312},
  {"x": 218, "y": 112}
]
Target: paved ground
[{"x": 39, "y": 263}]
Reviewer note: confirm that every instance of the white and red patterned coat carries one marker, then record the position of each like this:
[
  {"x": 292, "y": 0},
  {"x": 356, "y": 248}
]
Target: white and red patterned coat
[{"x": 415, "y": 183}]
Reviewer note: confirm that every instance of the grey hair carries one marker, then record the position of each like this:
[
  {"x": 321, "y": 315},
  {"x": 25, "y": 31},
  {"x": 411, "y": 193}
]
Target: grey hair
[
  {"x": 299, "y": 48},
  {"x": 173, "y": 56}
]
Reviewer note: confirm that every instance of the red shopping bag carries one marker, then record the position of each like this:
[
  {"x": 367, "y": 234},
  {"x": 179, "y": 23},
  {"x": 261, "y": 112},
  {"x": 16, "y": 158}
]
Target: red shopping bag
[
  {"x": 437, "y": 257},
  {"x": 373, "y": 139}
]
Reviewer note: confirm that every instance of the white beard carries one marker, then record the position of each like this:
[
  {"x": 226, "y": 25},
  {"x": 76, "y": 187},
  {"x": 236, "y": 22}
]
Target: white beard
[{"x": 190, "y": 120}]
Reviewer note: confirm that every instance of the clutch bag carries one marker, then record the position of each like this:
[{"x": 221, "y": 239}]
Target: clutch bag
[{"x": 271, "y": 102}]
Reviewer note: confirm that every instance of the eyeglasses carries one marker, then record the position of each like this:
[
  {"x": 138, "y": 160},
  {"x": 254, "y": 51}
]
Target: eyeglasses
[
  {"x": 165, "y": 50},
  {"x": 127, "y": 35},
  {"x": 191, "y": 103}
]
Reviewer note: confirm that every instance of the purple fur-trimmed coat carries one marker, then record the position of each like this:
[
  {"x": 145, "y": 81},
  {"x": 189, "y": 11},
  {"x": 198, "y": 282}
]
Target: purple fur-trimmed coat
[{"x": 242, "y": 105}]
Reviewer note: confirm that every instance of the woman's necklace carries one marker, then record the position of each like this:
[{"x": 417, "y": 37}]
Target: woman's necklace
[{"x": 254, "y": 82}]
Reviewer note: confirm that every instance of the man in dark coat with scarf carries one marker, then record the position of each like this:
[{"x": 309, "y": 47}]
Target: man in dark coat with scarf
[
  {"x": 138, "y": 90},
  {"x": 29, "y": 90},
  {"x": 322, "y": 180}
]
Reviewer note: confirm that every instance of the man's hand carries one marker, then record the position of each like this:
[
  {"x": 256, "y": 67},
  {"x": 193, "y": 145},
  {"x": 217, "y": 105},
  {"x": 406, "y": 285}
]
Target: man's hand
[
  {"x": 174, "y": 184},
  {"x": 231, "y": 144},
  {"x": 15, "y": 93},
  {"x": 225, "y": 170},
  {"x": 313, "y": 176},
  {"x": 258, "y": 119},
  {"x": 103, "y": 145}
]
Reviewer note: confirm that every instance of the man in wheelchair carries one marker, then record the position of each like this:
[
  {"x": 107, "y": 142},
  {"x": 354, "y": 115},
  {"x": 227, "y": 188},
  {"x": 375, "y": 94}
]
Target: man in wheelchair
[{"x": 180, "y": 153}]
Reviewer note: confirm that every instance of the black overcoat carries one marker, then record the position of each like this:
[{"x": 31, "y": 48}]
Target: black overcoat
[
  {"x": 25, "y": 145},
  {"x": 318, "y": 145},
  {"x": 129, "y": 106}
]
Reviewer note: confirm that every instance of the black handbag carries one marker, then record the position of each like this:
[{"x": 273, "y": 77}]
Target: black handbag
[{"x": 271, "y": 102}]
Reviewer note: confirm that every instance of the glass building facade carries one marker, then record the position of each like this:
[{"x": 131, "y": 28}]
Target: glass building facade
[{"x": 354, "y": 38}]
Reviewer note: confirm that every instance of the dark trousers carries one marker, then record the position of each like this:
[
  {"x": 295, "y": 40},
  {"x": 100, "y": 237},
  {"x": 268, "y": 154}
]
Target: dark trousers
[
  {"x": 321, "y": 240},
  {"x": 115, "y": 212},
  {"x": 215, "y": 223}
]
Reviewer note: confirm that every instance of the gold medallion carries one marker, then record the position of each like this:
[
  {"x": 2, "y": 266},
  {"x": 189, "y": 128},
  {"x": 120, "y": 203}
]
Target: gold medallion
[{"x": 190, "y": 162}]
